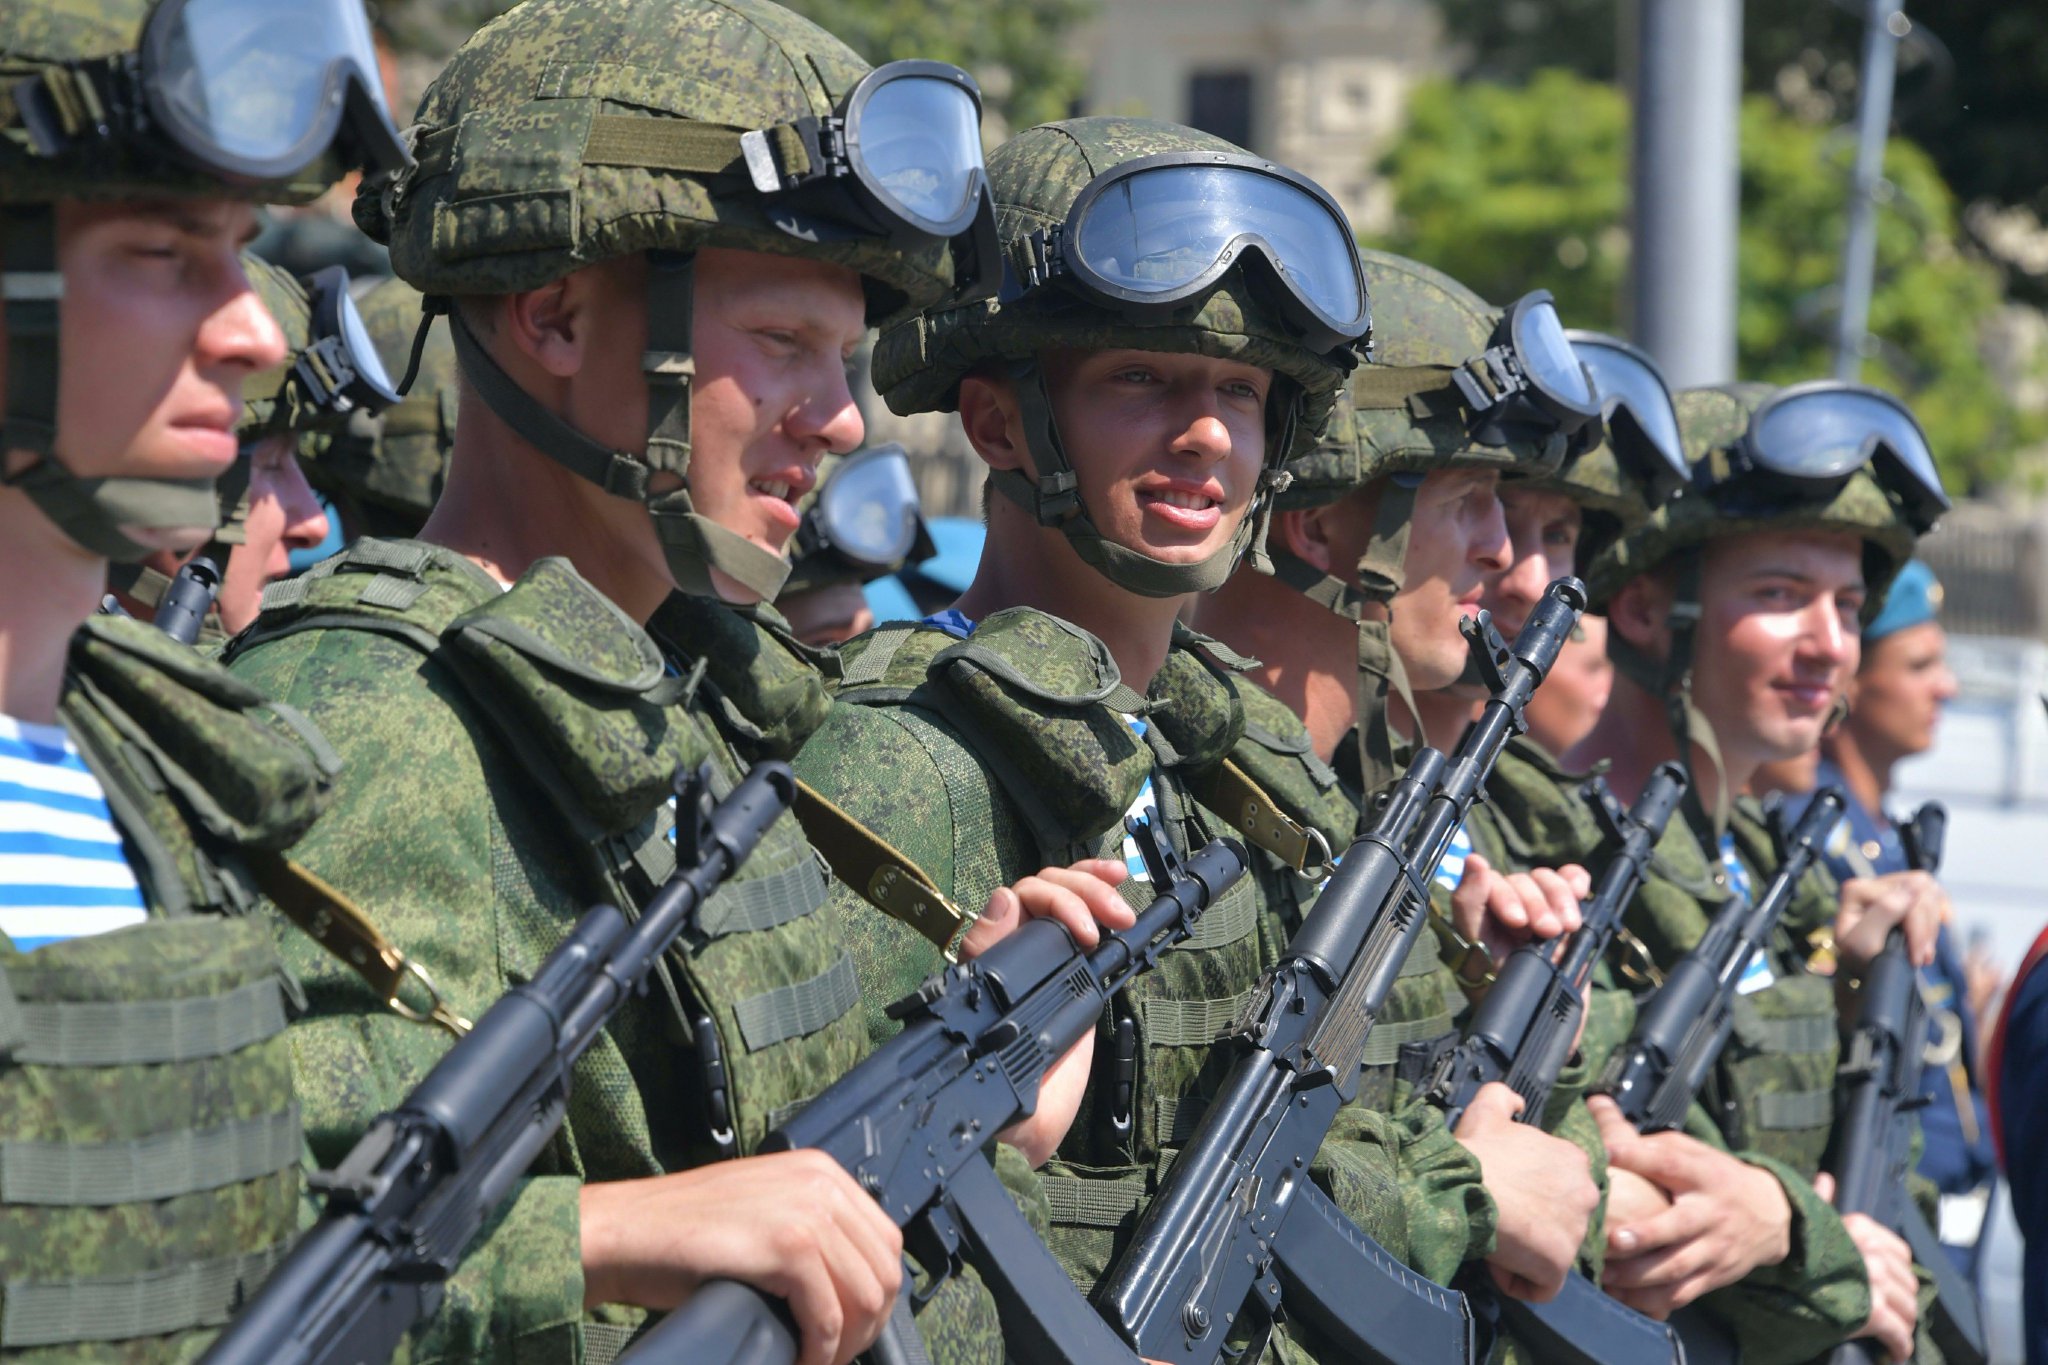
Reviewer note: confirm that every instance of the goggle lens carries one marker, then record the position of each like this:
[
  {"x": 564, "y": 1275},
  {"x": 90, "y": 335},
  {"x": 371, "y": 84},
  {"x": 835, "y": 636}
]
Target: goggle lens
[
  {"x": 1830, "y": 431},
  {"x": 1159, "y": 231},
  {"x": 921, "y": 140},
  {"x": 1547, "y": 355},
  {"x": 362, "y": 349},
  {"x": 868, "y": 509},
  {"x": 1623, "y": 380}
]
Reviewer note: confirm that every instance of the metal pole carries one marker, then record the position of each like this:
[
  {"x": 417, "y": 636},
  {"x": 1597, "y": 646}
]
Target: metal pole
[
  {"x": 1686, "y": 85},
  {"x": 1873, "y": 122}
]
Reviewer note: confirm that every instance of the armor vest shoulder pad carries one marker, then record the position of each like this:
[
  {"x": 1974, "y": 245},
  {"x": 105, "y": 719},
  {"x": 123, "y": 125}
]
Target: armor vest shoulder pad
[
  {"x": 1196, "y": 699},
  {"x": 404, "y": 588},
  {"x": 769, "y": 689}
]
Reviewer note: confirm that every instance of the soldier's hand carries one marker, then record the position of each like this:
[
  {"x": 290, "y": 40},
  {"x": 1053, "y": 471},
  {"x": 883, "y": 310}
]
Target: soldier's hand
[
  {"x": 1083, "y": 898},
  {"x": 1504, "y": 911},
  {"x": 1894, "y": 1289},
  {"x": 1871, "y": 906},
  {"x": 1726, "y": 1218},
  {"x": 793, "y": 1225},
  {"x": 1543, "y": 1188}
]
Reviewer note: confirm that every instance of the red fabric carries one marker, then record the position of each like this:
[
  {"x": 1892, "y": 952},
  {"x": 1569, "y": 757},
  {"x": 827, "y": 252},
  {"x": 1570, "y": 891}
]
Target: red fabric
[{"x": 1994, "y": 1046}]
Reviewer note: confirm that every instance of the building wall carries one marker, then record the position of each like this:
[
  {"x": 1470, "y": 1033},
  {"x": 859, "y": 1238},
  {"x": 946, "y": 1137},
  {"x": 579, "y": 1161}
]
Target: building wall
[{"x": 1329, "y": 79}]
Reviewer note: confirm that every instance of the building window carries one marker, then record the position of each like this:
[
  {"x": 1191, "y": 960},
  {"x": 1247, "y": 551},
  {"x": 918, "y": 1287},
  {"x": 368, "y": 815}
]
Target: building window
[{"x": 1220, "y": 102}]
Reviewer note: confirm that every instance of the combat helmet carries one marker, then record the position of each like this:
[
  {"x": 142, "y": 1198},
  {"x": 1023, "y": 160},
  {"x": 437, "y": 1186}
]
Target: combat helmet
[
  {"x": 564, "y": 134},
  {"x": 1133, "y": 233},
  {"x": 1824, "y": 456},
  {"x": 122, "y": 99}
]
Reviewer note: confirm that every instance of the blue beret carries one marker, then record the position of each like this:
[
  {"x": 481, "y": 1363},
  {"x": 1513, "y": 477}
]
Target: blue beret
[{"x": 1914, "y": 599}]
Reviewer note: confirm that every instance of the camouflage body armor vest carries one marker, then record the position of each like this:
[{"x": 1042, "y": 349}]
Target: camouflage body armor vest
[
  {"x": 1279, "y": 757},
  {"x": 755, "y": 1010},
  {"x": 149, "y": 1138},
  {"x": 1026, "y": 721}
]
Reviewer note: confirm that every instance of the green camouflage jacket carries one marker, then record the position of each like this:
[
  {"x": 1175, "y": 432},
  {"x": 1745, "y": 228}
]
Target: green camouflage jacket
[
  {"x": 510, "y": 756},
  {"x": 985, "y": 759},
  {"x": 149, "y": 1141}
]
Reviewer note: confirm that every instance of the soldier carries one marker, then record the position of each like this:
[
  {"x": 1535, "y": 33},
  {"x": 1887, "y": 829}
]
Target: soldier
[
  {"x": 267, "y": 509},
  {"x": 146, "y": 1106},
  {"x": 1732, "y": 618},
  {"x": 1406, "y": 498},
  {"x": 652, "y": 345}
]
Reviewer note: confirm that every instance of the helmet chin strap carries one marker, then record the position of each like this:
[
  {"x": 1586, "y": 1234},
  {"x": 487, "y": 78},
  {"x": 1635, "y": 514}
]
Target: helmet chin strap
[
  {"x": 1671, "y": 681},
  {"x": 96, "y": 514},
  {"x": 1380, "y": 675},
  {"x": 1054, "y": 499},
  {"x": 692, "y": 543}
]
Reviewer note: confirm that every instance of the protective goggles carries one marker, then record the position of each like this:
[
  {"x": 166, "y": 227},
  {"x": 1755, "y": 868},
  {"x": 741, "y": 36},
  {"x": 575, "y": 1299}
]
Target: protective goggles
[
  {"x": 868, "y": 514},
  {"x": 1146, "y": 237},
  {"x": 340, "y": 370},
  {"x": 900, "y": 158},
  {"x": 1809, "y": 439},
  {"x": 1528, "y": 377},
  {"x": 249, "y": 90},
  {"x": 1635, "y": 403}
]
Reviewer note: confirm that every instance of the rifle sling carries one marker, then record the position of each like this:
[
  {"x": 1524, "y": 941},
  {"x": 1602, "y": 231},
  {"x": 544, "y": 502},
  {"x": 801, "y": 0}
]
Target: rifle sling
[
  {"x": 879, "y": 871},
  {"x": 1230, "y": 791},
  {"x": 339, "y": 925}
]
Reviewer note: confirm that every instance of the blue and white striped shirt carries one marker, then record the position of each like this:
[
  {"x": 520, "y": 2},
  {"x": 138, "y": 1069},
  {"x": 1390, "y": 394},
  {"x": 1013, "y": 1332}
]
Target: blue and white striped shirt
[{"x": 62, "y": 871}]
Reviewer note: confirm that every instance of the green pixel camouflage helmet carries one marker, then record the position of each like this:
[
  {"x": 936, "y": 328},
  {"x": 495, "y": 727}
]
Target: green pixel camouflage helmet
[
  {"x": 1036, "y": 178},
  {"x": 387, "y": 469},
  {"x": 1712, "y": 422},
  {"x": 564, "y": 134},
  {"x": 74, "y": 77}
]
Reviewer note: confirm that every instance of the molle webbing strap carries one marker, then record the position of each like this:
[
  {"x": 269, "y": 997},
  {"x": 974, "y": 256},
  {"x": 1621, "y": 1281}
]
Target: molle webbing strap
[
  {"x": 1792, "y": 1110},
  {"x": 1092, "y": 1203},
  {"x": 123, "y": 1307},
  {"x": 1230, "y": 791},
  {"x": 148, "y": 1032},
  {"x": 165, "y": 1166},
  {"x": 337, "y": 924},
  {"x": 1175, "y": 1119},
  {"x": 671, "y": 144},
  {"x": 1801, "y": 1033},
  {"x": 798, "y": 1009},
  {"x": 757, "y": 904},
  {"x": 1229, "y": 920},
  {"x": 605, "y": 1342},
  {"x": 33, "y": 291},
  {"x": 871, "y": 665},
  {"x": 875, "y": 868},
  {"x": 1383, "y": 1045},
  {"x": 1190, "y": 1023},
  {"x": 13, "y": 1028}
]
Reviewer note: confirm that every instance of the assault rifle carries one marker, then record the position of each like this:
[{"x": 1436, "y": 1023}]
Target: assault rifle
[
  {"x": 1881, "y": 1084},
  {"x": 911, "y": 1123},
  {"x": 1239, "y": 1216},
  {"x": 408, "y": 1199},
  {"x": 1522, "y": 1035},
  {"x": 186, "y": 601}
]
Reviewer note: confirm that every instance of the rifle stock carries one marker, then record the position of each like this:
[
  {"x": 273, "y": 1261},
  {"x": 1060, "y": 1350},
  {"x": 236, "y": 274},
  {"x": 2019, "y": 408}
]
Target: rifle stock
[
  {"x": 1224, "y": 1228},
  {"x": 409, "y": 1198}
]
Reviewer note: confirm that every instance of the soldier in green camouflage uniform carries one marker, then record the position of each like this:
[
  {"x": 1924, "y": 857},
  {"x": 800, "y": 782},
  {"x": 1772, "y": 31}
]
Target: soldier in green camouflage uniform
[
  {"x": 1401, "y": 453},
  {"x": 653, "y": 363},
  {"x": 1134, "y": 451},
  {"x": 148, "y": 1132},
  {"x": 1779, "y": 586}
]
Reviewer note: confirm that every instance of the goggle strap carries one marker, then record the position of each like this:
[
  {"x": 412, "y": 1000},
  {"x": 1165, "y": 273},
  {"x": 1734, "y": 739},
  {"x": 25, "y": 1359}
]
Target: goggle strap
[
  {"x": 615, "y": 472},
  {"x": 33, "y": 292},
  {"x": 668, "y": 364},
  {"x": 685, "y": 145},
  {"x": 1390, "y": 388}
]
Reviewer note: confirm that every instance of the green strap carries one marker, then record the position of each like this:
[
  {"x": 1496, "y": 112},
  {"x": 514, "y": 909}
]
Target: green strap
[
  {"x": 759, "y": 903},
  {"x": 871, "y": 665},
  {"x": 13, "y": 1028},
  {"x": 1175, "y": 1119},
  {"x": 798, "y": 1009},
  {"x": 1389, "y": 387},
  {"x": 1806, "y": 1033},
  {"x": 147, "y": 1032},
  {"x": 123, "y": 1307},
  {"x": 1795, "y": 1109},
  {"x": 1102, "y": 1203},
  {"x": 102, "y": 1174},
  {"x": 1226, "y": 922},
  {"x": 671, "y": 144},
  {"x": 1383, "y": 1045},
  {"x": 1190, "y": 1023},
  {"x": 605, "y": 1342}
]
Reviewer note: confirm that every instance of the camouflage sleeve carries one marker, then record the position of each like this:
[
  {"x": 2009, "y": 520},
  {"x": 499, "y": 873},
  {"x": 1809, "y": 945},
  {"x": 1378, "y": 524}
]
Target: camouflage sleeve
[
  {"x": 1451, "y": 1218},
  {"x": 1808, "y": 1302}
]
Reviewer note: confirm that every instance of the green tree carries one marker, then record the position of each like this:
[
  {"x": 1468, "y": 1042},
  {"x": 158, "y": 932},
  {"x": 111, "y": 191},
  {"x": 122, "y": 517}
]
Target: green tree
[
  {"x": 1016, "y": 49},
  {"x": 1517, "y": 188}
]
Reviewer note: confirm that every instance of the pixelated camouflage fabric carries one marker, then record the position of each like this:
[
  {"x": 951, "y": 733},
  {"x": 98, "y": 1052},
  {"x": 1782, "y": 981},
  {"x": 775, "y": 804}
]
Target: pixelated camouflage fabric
[{"x": 766, "y": 687}]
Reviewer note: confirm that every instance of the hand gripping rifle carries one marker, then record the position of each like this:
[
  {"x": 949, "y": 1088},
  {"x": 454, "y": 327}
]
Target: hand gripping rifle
[
  {"x": 913, "y": 1121},
  {"x": 1522, "y": 1035},
  {"x": 1239, "y": 1215},
  {"x": 1881, "y": 1086},
  {"x": 408, "y": 1199}
]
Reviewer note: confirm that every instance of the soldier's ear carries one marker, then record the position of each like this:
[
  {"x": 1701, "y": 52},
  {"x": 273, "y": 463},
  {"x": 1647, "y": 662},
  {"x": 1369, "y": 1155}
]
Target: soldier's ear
[
  {"x": 541, "y": 327},
  {"x": 1306, "y": 533},
  {"x": 1640, "y": 612},
  {"x": 993, "y": 421}
]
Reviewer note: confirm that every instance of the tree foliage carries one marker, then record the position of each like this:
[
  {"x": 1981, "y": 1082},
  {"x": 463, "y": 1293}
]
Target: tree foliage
[{"x": 1515, "y": 188}]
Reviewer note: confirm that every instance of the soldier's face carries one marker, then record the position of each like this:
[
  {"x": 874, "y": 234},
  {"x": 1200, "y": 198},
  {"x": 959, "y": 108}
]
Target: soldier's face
[
  {"x": 157, "y": 331},
  {"x": 283, "y": 516},
  {"x": 773, "y": 337},
  {"x": 1167, "y": 446},
  {"x": 1458, "y": 540},
  {"x": 1543, "y": 529},
  {"x": 1564, "y": 710},
  {"x": 1778, "y": 637},
  {"x": 1896, "y": 700}
]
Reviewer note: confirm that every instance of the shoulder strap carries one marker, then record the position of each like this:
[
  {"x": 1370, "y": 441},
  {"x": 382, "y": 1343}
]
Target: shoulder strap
[
  {"x": 874, "y": 867},
  {"x": 1230, "y": 791}
]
